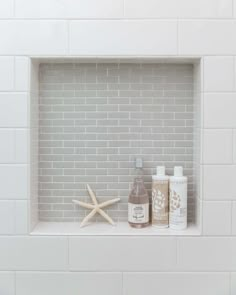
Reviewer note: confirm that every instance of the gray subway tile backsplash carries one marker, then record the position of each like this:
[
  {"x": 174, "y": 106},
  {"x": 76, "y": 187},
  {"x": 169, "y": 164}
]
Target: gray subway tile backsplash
[{"x": 96, "y": 118}]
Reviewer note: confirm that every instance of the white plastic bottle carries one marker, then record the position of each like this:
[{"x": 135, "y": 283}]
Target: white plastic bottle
[
  {"x": 160, "y": 198},
  {"x": 178, "y": 200}
]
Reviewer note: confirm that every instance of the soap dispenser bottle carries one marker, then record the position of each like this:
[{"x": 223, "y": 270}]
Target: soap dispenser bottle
[
  {"x": 178, "y": 199},
  {"x": 138, "y": 204},
  {"x": 160, "y": 198}
]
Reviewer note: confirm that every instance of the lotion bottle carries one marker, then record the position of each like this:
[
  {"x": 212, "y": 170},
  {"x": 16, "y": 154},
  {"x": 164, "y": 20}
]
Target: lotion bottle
[
  {"x": 160, "y": 198},
  {"x": 138, "y": 205},
  {"x": 178, "y": 200}
]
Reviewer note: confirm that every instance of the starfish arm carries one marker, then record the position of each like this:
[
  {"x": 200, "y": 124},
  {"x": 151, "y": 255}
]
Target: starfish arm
[
  {"x": 92, "y": 195},
  {"x": 86, "y": 219},
  {"x": 107, "y": 203},
  {"x": 108, "y": 218},
  {"x": 83, "y": 204}
]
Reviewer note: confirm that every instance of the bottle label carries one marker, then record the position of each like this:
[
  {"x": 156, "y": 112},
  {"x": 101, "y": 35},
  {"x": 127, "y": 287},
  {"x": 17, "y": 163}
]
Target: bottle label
[
  {"x": 160, "y": 202},
  {"x": 178, "y": 204},
  {"x": 138, "y": 213}
]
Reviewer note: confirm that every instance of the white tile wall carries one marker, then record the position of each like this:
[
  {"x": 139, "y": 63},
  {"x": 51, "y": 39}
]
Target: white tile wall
[
  {"x": 62, "y": 283},
  {"x": 234, "y": 146},
  {"x": 6, "y": 73},
  {"x": 13, "y": 148},
  {"x": 36, "y": 34},
  {"x": 219, "y": 73},
  {"x": 131, "y": 253},
  {"x": 178, "y": 9},
  {"x": 234, "y": 218},
  {"x": 207, "y": 254},
  {"x": 6, "y": 8},
  {"x": 34, "y": 253},
  {"x": 13, "y": 110},
  {"x": 21, "y": 145},
  {"x": 69, "y": 9},
  {"x": 207, "y": 37},
  {"x": 233, "y": 283},
  {"x": 176, "y": 283},
  {"x": 7, "y": 283},
  {"x": 13, "y": 182},
  {"x": 219, "y": 182},
  {"x": 115, "y": 36},
  {"x": 21, "y": 73},
  {"x": 7, "y": 147},
  {"x": 21, "y": 217},
  {"x": 13, "y": 217},
  {"x": 219, "y": 110},
  {"x": 217, "y": 146},
  {"x": 7, "y": 217},
  {"x": 217, "y": 218}
]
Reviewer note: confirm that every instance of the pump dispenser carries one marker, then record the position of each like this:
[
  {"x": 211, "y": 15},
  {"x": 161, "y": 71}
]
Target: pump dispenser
[
  {"x": 138, "y": 205},
  {"x": 160, "y": 198},
  {"x": 178, "y": 199}
]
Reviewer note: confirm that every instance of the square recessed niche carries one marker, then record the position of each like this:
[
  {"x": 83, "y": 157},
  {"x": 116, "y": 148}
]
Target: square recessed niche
[{"x": 91, "y": 118}]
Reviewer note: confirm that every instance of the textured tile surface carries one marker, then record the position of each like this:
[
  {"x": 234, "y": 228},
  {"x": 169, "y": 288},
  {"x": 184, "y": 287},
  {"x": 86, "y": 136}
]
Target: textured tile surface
[
  {"x": 7, "y": 283},
  {"x": 207, "y": 37},
  {"x": 34, "y": 253},
  {"x": 39, "y": 283},
  {"x": 217, "y": 218},
  {"x": 149, "y": 37},
  {"x": 219, "y": 73},
  {"x": 97, "y": 253},
  {"x": 217, "y": 146},
  {"x": 36, "y": 35},
  {"x": 69, "y": 9},
  {"x": 214, "y": 187},
  {"x": 176, "y": 283},
  {"x": 207, "y": 254},
  {"x": 178, "y": 9},
  {"x": 96, "y": 118},
  {"x": 6, "y": 71}
]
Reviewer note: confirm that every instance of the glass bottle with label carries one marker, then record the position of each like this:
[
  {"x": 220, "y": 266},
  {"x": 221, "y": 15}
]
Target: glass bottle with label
[{"x": 138, "y": 205}]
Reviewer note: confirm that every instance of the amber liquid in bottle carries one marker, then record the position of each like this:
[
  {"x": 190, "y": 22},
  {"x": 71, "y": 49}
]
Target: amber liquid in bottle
[{"x": 138, "y": 205}]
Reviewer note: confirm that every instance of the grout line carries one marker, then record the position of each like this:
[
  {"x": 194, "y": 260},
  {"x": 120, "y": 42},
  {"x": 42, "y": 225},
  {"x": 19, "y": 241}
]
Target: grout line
[
  {"x": 120, "y": 18},
  {"x": 177, "y": 252},
  {"x": 124, "y": 10},
  {"x": 14, "y": 9},
  {"x": 159, "y": 57},
  {"x": 14, "y": 75},
  {"x": 184, "y": 271},
  {"x": 177, "y": 39},
  {"x": 68, "y": 37},
  {"x": 68, "y": 253},
  {"x": 234, "y": 146},
  {"x": 122, "y": 283},
  {"x": 15, "y": 217},
  {"x": 233, "y": 8},
  {"x": 14, "y": 282},
  {"x": 230, "y": 284},
  {"x": 232, "y": 207}
]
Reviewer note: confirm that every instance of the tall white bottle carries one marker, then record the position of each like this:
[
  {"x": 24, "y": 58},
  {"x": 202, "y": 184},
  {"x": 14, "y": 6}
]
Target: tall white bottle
[
  {"x": 178, "y": 199},
  {"x": 160, "y": 198}
]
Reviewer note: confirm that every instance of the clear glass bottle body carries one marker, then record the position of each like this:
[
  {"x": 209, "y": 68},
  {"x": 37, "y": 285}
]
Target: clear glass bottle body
[{"x": 138, "y": 204}]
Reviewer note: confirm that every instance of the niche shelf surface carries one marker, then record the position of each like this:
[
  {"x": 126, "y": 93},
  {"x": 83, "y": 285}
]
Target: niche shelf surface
[{"x": 104, "y": 229}]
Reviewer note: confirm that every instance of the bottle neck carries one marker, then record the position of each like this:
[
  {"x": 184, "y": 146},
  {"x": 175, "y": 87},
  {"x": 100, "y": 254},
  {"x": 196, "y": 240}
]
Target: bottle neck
[{"x": 139, "y": 173}]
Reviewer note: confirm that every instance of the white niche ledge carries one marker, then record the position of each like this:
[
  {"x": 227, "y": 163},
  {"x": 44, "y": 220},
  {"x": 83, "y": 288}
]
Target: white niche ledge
[
  {"x": 49, "y": 86},
  {"x": 104, "y": 229}
]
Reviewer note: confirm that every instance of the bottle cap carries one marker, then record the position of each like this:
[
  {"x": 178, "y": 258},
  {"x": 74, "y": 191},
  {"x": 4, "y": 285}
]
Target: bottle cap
[
  {"x": 161, "y": 170},
  {"x": 178, "y": 171},
  {"x": 138, "y": 163}
]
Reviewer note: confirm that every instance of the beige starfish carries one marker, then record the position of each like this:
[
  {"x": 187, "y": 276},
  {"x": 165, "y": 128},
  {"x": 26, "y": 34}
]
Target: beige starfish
[{"x": 96, "y": 207}]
